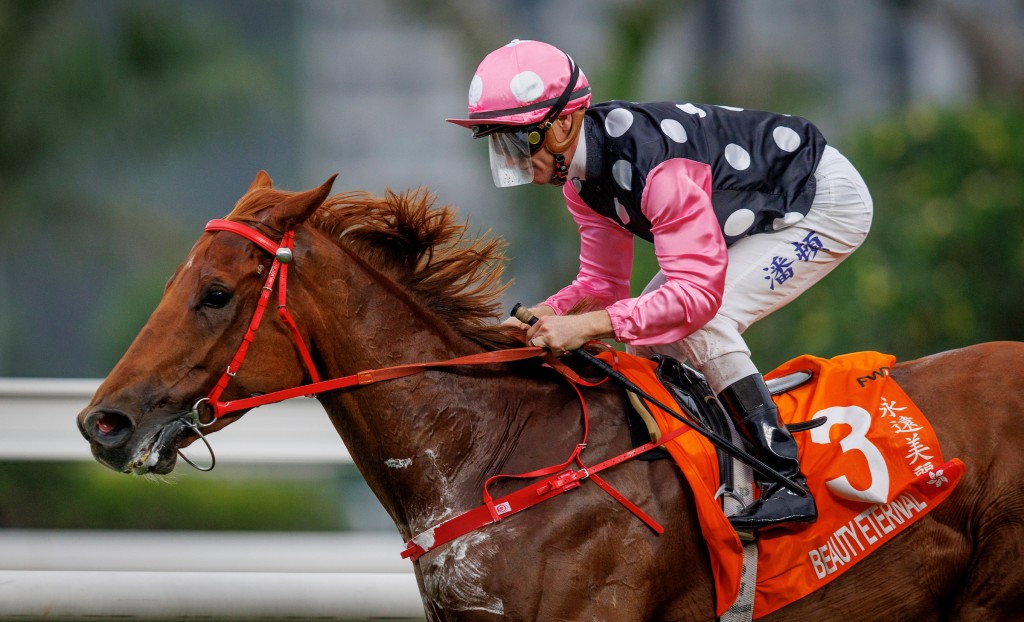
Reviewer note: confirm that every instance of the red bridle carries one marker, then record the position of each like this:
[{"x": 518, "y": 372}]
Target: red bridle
[{"x": 283, "y": 255}]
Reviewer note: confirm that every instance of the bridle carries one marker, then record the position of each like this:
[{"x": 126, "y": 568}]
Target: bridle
[{"x": 283, "y": 256}]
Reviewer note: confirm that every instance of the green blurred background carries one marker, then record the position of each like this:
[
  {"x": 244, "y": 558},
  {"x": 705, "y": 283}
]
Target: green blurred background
[{"x": 126, "y": 124}]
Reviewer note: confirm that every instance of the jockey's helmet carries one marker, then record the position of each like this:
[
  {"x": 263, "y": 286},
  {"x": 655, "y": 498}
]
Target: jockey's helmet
[{"x": 516, "y": 94}]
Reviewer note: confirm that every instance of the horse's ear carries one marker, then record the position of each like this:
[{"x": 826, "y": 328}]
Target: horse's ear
[
  {"x": 294, "y": 210},
  {"x": 262, "y": 181}
]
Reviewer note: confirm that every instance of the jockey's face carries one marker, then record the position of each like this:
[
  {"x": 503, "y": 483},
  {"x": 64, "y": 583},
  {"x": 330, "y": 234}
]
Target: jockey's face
[{"x": 543, "y": 166}]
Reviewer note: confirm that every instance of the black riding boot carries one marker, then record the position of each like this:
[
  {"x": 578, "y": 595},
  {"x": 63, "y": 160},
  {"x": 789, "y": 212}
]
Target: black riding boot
[{"x": 752, "y": 410}]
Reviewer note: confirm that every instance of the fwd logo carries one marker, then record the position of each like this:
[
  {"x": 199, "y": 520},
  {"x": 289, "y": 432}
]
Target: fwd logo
[{"x": 881, "y": 372}]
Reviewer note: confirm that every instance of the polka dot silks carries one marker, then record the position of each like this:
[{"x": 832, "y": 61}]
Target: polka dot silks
[{"x": 762, "y": 164}]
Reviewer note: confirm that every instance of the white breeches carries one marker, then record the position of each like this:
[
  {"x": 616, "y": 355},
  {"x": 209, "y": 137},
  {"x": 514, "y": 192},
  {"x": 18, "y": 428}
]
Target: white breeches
[{"x": 768, "y": 270}]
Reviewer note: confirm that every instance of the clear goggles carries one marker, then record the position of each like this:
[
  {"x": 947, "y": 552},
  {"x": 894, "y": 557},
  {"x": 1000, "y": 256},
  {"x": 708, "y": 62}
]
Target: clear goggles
[{"x": 510, "y": 153}]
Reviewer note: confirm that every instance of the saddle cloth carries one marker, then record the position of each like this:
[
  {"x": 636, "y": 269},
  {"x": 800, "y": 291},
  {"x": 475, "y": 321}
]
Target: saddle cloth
[{"x": 874, "y": 468}]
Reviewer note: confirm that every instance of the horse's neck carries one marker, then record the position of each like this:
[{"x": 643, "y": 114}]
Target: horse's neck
[{"x": 426, "y": 442}]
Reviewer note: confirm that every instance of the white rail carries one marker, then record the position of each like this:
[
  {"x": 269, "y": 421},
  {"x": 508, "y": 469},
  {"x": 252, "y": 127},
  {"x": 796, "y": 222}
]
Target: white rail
[
  {"x": 91, "y": 575},
  {"x": 75, "y": 595},
  {"x": 202, "y": 551}
]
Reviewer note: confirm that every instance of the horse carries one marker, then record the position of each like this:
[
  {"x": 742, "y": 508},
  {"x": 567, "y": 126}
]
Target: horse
[{"x": 383, "y": 281}]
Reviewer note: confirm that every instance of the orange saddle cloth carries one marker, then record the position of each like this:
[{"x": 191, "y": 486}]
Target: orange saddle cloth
[{"x": 874, "y": 468}]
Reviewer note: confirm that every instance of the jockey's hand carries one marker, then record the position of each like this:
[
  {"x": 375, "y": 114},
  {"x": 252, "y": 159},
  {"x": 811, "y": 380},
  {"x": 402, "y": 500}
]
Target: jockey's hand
[{"x": 562, "y": 333}]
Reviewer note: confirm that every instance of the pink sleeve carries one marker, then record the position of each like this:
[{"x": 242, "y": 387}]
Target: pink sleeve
[
  {"x": 606, "y": 259},
  {"x": 691, "y": 253}
]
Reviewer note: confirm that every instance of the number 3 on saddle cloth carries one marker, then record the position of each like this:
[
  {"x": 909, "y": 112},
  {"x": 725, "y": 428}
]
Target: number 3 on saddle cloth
[{"x": 873, "y": 465}]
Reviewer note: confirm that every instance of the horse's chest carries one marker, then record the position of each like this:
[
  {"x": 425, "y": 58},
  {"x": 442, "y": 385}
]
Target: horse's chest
[{"x": 455, "y": 579}]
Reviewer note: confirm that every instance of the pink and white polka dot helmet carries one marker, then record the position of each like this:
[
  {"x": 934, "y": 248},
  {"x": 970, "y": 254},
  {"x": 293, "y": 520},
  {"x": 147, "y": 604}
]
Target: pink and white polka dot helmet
[{"x": 519, "y": 83}]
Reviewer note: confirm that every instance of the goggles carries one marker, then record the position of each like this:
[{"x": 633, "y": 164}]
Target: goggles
[{"x": 511, "y": 149}]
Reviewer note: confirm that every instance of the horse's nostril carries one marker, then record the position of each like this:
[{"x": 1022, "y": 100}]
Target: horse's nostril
[
  {"x": 108, "y": 423},
  {"x": 109, "y": 427}
]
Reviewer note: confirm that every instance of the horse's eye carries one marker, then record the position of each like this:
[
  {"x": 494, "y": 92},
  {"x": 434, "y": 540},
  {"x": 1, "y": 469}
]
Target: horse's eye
[{"x": 215, "y": 298}]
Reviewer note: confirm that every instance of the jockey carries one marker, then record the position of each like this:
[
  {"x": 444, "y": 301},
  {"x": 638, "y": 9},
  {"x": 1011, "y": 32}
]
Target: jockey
[{"x": 746, "y": 210}]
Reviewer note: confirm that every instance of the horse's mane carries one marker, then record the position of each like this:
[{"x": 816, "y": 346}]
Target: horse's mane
[{"x": 423, "y": 248}]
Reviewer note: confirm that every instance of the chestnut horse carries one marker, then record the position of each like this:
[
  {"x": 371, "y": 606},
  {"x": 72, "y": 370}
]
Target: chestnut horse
[{"x": 383, "y": 281}]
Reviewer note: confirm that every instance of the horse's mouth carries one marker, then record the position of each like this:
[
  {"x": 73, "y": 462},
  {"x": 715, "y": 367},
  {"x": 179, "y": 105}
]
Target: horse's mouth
[{"x": 159, "y": 453}]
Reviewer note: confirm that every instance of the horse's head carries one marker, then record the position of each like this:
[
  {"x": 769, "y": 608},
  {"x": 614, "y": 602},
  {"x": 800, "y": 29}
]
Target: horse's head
[{"x": 140, "y": 415}]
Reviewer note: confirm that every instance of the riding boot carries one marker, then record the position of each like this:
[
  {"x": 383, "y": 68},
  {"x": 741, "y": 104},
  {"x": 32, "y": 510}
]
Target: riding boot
[{"x": 750, "y": 405}]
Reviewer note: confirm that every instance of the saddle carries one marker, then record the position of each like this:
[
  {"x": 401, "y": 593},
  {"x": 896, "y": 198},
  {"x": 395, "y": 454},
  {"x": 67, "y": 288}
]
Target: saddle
[
  {"x": 872, "y": 462},
  {"x": 695, "y": 399}
]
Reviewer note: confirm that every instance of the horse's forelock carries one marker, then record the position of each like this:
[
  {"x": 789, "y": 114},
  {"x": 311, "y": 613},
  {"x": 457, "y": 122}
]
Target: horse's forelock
[
  {"x": 278, "y": 209},
  {"x": 257, "y": 200}
]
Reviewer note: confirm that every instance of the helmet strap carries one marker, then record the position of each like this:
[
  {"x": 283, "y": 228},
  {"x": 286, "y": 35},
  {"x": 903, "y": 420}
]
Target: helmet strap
[{"x": 563, "y": 99}]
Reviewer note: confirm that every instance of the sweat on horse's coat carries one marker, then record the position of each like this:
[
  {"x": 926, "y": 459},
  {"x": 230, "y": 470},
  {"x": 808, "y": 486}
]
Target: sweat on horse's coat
[{"x": 381, "y": 281}]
